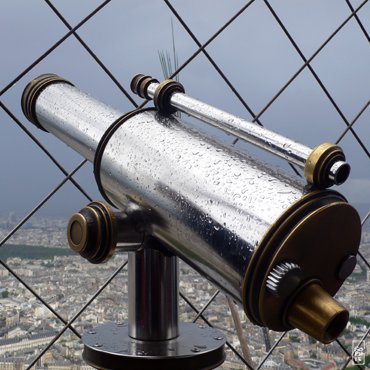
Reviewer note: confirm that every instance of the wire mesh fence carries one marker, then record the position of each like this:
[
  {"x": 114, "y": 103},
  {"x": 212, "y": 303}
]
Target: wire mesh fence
[{"x": 300, "y": 69}]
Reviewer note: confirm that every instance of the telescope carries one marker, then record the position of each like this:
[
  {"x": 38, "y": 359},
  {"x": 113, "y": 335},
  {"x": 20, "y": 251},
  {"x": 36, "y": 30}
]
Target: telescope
[{"x": 279, "y": 246}]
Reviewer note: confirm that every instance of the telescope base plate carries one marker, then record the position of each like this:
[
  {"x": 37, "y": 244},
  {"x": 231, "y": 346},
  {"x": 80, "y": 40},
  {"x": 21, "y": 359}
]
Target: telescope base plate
[{"x": 110, "y": 347}]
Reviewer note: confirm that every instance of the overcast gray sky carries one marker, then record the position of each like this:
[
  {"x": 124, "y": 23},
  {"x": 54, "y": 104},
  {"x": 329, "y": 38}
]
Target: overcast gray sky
[{"x": 253, "y": 53}]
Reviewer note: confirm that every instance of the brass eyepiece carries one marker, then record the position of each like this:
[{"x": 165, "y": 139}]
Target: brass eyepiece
[
  {"x": 92, "y": 232},
  {"x": 78, "y": 232},
  {"x": 95, "y": 232},
  {"x": 326, "y": 166},
  {"x": 316, "y": 313}
]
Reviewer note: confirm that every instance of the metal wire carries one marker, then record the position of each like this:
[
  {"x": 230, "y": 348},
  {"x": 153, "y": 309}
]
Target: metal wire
[
  {"x": 325, "y": 90},
  {"x": 359, "y": 21},
  {"x": 218, "y": 69},
  {"x": 39, "y": 205},
  {"x": 241, "y": 358},
  {"x": 271, "y": 350},
  {"x": 368, "y": 330},
  {"x": 256, "y": 118},
  {"x": 52, "y": 48},
  {"x": 359, "y": 252},
  {"x": 51, "y": 309},
  {"x": 42, "y": 147},
  {"x": 199, "y": 314},
  {"x": 359, "y": 114},
  {"x": 361, "y": 367},
  {"x": 212, "y": 38},
  {"x": 349, "y": 356},
  {"x": 307, "y": 63},
  {"x": 92, "y": 54},
  {"x": 75, "y": 317},
  {"x": 365, "y": 218}
]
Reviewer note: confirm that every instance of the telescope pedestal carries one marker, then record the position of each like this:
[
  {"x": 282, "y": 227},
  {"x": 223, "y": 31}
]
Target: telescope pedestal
[
  {"x": 197, "y": 347},
  {"x": 152, "y": 338}
]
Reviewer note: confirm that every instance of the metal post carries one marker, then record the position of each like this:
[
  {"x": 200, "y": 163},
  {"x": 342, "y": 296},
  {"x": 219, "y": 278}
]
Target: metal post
[
  {"x": 153, "y": 294},
  {"x": 153, "y": 337}
]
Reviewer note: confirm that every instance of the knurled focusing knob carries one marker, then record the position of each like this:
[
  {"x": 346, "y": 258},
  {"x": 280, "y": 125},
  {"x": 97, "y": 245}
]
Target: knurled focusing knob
[
  {"x": 284, "y": 278},
  {"x": 92, "y": 232}
]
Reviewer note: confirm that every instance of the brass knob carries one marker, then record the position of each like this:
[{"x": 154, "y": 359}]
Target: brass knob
[
  {"x": 326, "y": 166},
  {"x": 284, "y": 278},
  {"x": 92, "y": 232},
  {"x": 95, "y": 232}
]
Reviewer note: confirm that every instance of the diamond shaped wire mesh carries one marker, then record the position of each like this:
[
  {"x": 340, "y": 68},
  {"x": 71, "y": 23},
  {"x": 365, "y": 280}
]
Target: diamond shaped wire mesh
[{"x": 266, "y": 349}]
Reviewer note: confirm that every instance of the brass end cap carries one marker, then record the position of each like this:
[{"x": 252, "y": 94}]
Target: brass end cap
[
  {"x": 316, "y": 313},
  {"x": 163, "y": 94},
  {"x": 92, "y": 232},
  {"x": 78, "y": 232},
  {"x": 139, "y": 85},
  {"x": 326, "y": 166},
  {"x": 321, "y": 235},
  {"x": 33, "y": 90}
]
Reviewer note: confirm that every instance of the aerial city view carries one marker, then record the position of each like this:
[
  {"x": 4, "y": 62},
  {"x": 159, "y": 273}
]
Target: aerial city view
[{"x": 38, "y": 253}]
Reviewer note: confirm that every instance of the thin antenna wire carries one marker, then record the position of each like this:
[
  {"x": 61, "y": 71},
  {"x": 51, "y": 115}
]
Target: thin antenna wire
[
  {"x": 169, "y": 63},
  {"x": 239, "y": 329}
]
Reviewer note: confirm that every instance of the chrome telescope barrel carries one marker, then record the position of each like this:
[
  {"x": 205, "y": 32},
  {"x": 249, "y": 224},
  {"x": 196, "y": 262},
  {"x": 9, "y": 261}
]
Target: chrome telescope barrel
[
  {"x": 80, "y": 124},
  {"x": 323, "y": 166},
  {"x": 263, "y": 237}
]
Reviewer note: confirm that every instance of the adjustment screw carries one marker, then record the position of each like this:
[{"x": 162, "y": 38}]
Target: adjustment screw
[
  {"x": 218, "y": 338},
  {"x": 347, "y": 266},
  {"x": 200, "y": 346}
]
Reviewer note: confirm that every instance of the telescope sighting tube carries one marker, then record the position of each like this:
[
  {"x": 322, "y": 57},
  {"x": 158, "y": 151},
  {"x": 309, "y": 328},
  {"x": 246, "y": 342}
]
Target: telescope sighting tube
[
  {"x": 277, "y": 247},
  {"x": 324, "y": 165}
]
